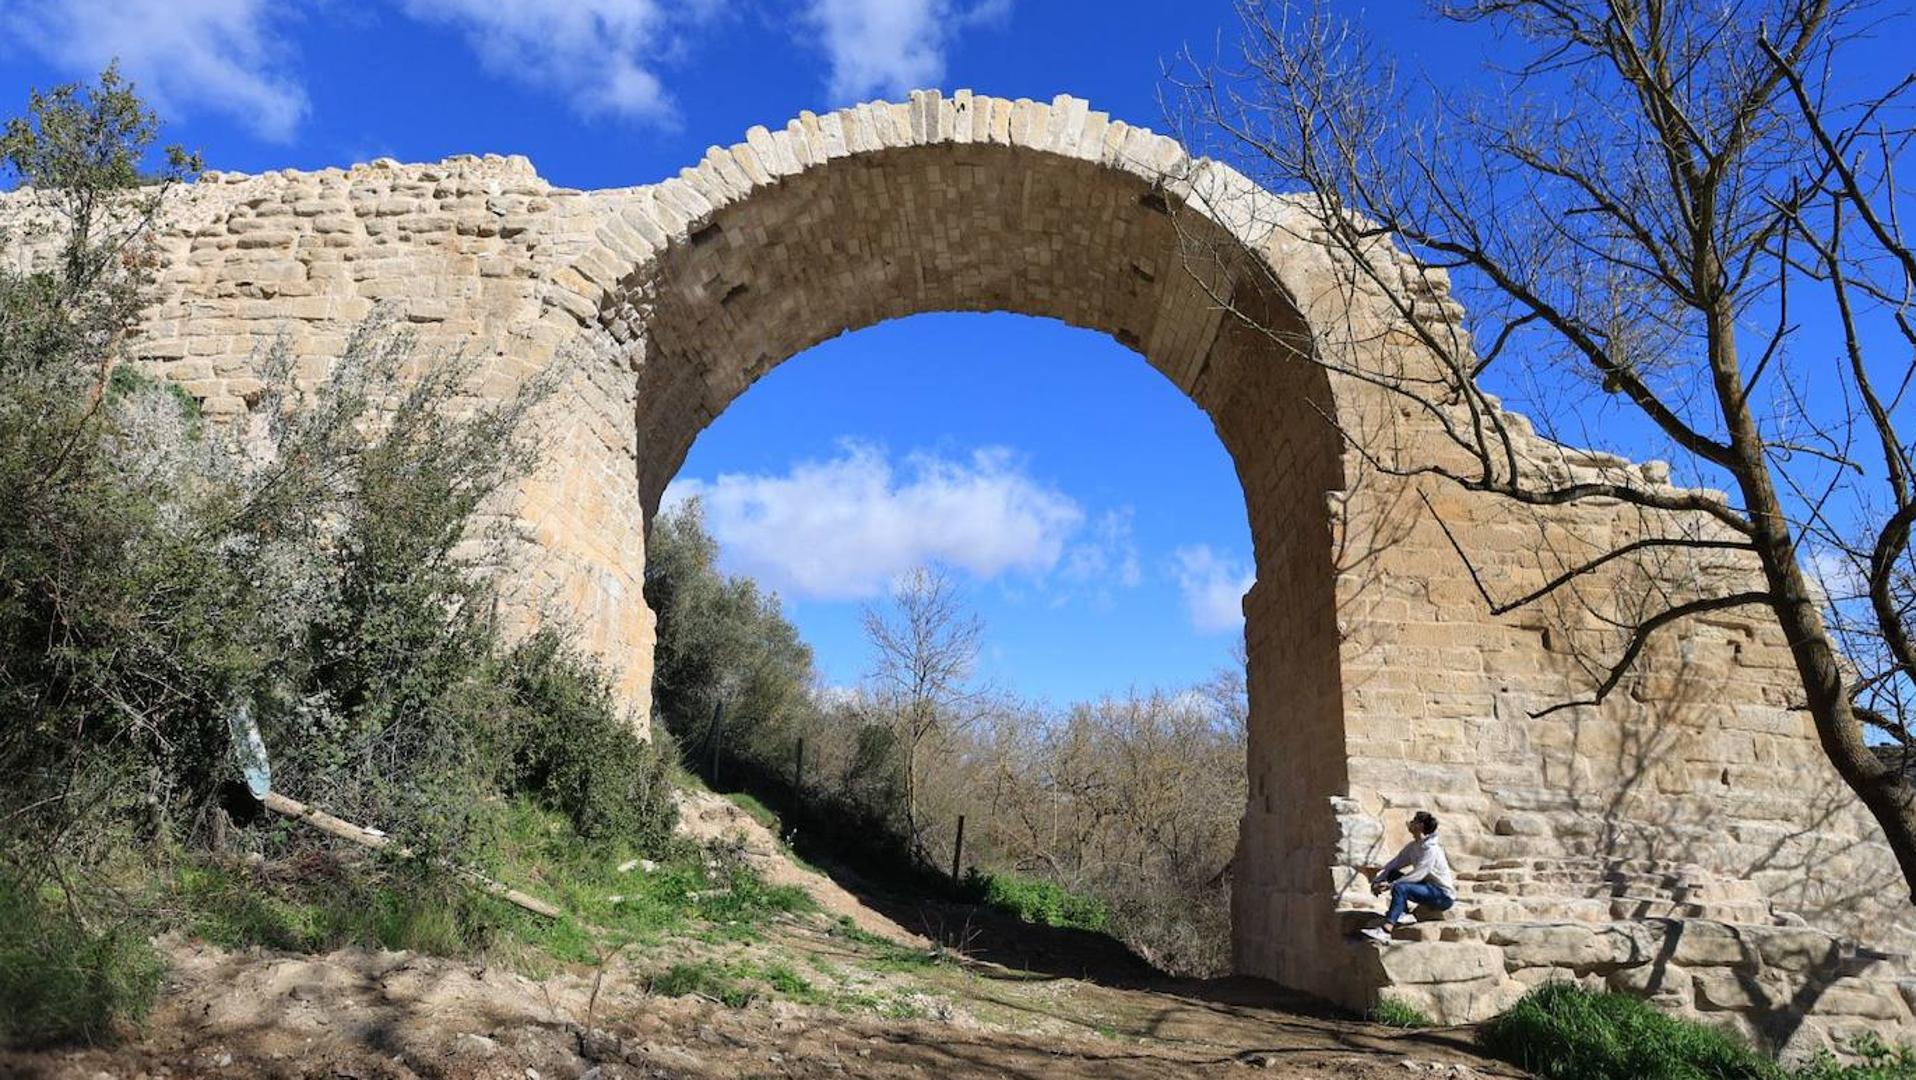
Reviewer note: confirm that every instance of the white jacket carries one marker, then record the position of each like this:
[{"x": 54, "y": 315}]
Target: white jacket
[{"x": 1423, "y": 859}]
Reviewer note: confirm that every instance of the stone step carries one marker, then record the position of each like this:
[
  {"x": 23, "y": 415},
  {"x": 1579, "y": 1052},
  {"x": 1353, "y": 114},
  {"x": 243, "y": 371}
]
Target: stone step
[
  {"x": 1506, "y": 855},
  {"x": 1637, "y": 883},
  {"x": 1657, "y": 866},
  {"x": 1351, "y": 920},
  {"x": 1463, "y": 971},
  {"x": 1601, "y": 909},
  {"x": 1752, "y": 912},
  {"x": 1694, "y": 943},
  {"x": 1690, "y": 902}
]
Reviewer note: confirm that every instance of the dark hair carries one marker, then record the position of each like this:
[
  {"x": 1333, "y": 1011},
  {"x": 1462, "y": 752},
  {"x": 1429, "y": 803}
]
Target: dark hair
[{"x": 1426, "y": 821}]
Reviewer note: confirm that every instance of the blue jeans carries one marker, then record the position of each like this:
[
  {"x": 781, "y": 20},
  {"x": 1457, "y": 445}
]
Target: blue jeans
[{"x": 1405, "y": 893}]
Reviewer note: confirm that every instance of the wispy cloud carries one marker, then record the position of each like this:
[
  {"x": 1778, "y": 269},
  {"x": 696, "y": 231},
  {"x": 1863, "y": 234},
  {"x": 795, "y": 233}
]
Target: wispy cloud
[
  {"x": 1213, "y": 586},
  {"x": 225, "y": 56},
  {"x": 1101, "y": 562},
  {"x": 843, "y": 528},
  {"x": 601, "y": 55},
  {"x": 887, "y": 47}
]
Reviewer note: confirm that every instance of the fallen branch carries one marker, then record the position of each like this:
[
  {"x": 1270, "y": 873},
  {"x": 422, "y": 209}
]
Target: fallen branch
[{"x": 379, "y": 841}]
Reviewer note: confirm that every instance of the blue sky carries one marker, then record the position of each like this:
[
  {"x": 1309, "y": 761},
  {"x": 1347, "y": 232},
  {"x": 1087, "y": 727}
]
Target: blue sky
[
  {"x": 1093, "y": 515},
  {"x": 1094, "y": 518}
]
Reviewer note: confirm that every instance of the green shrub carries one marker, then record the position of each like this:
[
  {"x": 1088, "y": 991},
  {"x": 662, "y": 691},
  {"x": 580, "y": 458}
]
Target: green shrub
[
  {"x": 61, "y": 981},
  {"x": 574, "y": 751},
  {"x": 1037, "y": 901},
  {"x": 1392, "y": 1012},
  {"x": 1563, "y": 1032}
]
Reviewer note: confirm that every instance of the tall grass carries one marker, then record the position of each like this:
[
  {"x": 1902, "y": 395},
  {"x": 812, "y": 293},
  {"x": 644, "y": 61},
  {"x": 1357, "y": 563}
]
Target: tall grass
[
  {"x": 1563, "y": 1032},
  {"x": 65, "y": 981}
]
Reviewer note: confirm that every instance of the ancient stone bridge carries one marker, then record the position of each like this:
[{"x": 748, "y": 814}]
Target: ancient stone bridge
[{"x": 1673, "y": 842}]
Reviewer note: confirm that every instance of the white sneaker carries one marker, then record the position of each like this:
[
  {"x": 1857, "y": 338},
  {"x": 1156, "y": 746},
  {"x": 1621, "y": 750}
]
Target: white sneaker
[
  {"x": 1407, "y": 919},
  {"x": 1376, "y": 933}
]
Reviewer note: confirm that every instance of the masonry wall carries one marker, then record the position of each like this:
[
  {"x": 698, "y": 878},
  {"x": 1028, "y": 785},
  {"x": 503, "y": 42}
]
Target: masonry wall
[
  {"x": 461, "y": 254},
  {"x": 1700, "y": 759}
]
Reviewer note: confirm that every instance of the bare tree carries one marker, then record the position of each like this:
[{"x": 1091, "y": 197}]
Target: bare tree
[
  {"x": 1637, "y": 211},
  {"x": 926, "y": 647}
]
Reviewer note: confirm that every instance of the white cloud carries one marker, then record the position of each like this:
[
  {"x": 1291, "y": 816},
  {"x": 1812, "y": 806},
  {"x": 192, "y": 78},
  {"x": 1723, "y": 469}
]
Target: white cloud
[
  {"x": 1104, "y": 560},
  {"x": 224, "y": 55},
  {"x": 888, "y": 47},
  {"x": 843, "y": 528},
  {"x": 1213, "y": 587},
  {"x": 600, "y": 54}
]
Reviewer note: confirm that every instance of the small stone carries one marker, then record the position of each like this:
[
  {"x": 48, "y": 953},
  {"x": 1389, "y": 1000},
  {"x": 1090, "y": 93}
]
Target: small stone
[{"x": 474, "y": 1045}]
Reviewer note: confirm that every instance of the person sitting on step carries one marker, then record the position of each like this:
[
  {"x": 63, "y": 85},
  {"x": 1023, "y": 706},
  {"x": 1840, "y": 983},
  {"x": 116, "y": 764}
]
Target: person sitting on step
[{"x": 1420, "y": 874}]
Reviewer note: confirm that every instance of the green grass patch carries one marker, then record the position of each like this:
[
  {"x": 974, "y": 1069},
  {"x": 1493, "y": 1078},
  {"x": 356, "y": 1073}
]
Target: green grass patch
[
  {"x": 900, "y": 1007},
  {"x": 737, "y": 983},
  {"x": 1045, "y": 902},
  {"x": 1563, "y": 1032},
  {"x": 789, "y": 983},
  {"x": 538, "y": 853},
  {"x": 1392, "y": 1012},
  {"x": 885, "y": 954},
  {"x": 311, "y": 901},
  {"x": 315, "y": 904},
  {"x": 755, "y": 810},
  {"x": 62, "y": 981},
  {"x": 709, "y": 978}
]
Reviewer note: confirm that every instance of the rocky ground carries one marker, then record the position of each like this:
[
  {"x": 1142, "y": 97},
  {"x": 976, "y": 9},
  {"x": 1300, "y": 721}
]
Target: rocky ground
[{"x": 839, "y": 993}]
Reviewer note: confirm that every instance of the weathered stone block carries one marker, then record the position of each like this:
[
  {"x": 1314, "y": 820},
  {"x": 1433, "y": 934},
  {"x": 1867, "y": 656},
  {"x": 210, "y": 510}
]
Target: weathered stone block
[
  {"x": 1711, "y": 944},
  {"x": 1440, "y": 962}
]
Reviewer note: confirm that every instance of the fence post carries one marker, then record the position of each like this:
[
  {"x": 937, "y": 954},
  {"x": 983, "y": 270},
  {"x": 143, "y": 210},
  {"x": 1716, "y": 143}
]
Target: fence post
[{"x": 958, "y": 850}]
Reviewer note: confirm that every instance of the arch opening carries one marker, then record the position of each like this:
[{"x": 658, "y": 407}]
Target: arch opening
[{"x": 951, "y": 227}]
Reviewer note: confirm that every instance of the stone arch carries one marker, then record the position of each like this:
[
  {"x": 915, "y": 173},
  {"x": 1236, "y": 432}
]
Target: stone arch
[
  {"x": 1382, "y": 682},
  {"x": 1379, "y": 680},
  {"x": 706, "y": 281}
]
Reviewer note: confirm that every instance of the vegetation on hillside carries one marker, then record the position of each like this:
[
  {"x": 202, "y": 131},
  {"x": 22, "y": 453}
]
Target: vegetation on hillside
[
  {"x": 323, "y": 568},
  {"x": 1118, "y": 815}
]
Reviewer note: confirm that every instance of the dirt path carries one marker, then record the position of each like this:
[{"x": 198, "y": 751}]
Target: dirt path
[
  {"x": 1010, "y": 1000},
  {"x": 374, "y": 1015},
  {"x": 707, "y": 817}
]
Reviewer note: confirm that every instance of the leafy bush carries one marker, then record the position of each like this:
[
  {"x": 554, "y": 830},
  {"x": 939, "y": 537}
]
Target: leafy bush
[
  {"x": 575, "y": 751},
  {"x": 1038, "y": 901},
  {"x": 1564, "y": 1032},
  {"x": 61, "y": 981},
  {"x": 325, "y": 565}
]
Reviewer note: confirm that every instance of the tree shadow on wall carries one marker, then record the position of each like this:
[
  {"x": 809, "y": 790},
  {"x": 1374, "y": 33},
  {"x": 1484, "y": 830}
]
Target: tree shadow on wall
[{"x": 1671, "y": 802}]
